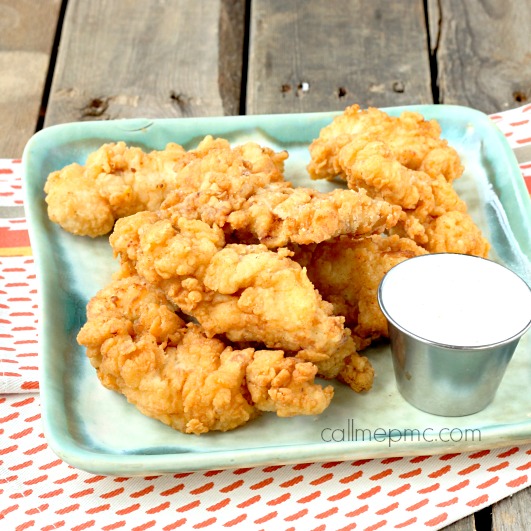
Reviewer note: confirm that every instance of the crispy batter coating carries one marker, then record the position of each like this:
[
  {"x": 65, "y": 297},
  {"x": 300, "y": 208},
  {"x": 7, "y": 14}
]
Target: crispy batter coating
[
  {"x": 279, "y": 215},
  {"x": 175, "y": 373},
  {"x": 216, "y": 180},
  {"x": 169, "y": 371},
  {"x": 372, "y": 166},
  {"x": 260, "y": 206},
  {"x": 456, "y": 232},
  {"x": 285, "y": 385},
  {"x": 357, "y": 372},
  {"x": 117, "y": 180},
  {"x": 347, "y": 272},
  {"x": 247, "y": 292},
  {"x": 415, "y": 142}
]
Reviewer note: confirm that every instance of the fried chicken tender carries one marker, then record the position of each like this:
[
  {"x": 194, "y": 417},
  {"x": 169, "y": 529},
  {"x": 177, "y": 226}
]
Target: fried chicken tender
[
  {"x": 456, "y": 232},
  {"x": 215, "y": 179},
  {"x": 115, "y": 181},
  {"x": 247, "y": 292},
  {"x": 373, "y": 167},
  {"x": 347, "y": 272},
  {"x": 169, "y": 371},
  {"x": 404, "y": 161},
  {"x": 357, "y": 372},
  {"x": 278, "y": 215},
  {"x": 285, "y": 385},
  {"x": 173, "y": 372},
  {"x": 118, "y": 180},
  {"x": 259, "y": 205},
  {"x": 415, "y": 142}
]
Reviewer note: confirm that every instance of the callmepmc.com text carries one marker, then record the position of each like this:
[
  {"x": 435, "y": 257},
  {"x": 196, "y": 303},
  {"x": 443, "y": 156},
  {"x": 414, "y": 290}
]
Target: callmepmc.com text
[{"x": 352, "y": 433}]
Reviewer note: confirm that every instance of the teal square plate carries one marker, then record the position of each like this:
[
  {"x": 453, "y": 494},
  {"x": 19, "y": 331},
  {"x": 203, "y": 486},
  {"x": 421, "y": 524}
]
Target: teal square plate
[{"x": 97, "y": 430}]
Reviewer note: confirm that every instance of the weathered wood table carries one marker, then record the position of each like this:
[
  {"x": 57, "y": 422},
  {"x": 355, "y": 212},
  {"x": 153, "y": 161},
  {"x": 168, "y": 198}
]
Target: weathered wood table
[{"x": 75, "y": 60}]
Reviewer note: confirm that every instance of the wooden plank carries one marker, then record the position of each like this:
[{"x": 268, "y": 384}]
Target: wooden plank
[
  {"x": 309, "y": 55},
  {"x": 27, "y": 30},
  {"x": 465, "y": 524},
  {"x": 512, "y": 514},
  {"x": 482, "y": 50},
  {"x": 153, "y": 59}
]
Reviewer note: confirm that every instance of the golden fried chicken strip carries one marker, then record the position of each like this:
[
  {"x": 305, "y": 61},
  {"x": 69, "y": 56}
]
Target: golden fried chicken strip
[
  {"x": 214, "y": 164},
  {"x": 247, "y": 292},
  {"x": 216, "y": 155},
  {"x": 415, "y": 142},
  {"x": 285, "y": 385},
  {"x": 433, "y": 214},
  {"x": 175, "y": 373},
  {"x": 279, "y": 214},
  {"x": 215, "y": 179},
  {"x": 243, "y": 190},
  {"x": 168, "y": 370},
  {"x": 116, "y": 181},
  {"x": 456, "y": 232},
  {"x": 373, "y": 166},
  {"x": 347, "y": 272},
  {"x": 304, "y": 326}
]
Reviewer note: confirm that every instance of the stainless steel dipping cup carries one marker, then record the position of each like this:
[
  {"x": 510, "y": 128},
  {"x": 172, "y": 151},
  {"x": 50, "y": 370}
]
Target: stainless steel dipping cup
[
  {"x": 442, "y": 379},
  {"x": 445, "y": 380}
]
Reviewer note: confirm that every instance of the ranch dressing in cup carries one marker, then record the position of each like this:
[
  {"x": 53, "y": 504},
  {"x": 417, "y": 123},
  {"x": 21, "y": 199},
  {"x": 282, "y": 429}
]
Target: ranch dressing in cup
[{"x": 454, "y": 323}]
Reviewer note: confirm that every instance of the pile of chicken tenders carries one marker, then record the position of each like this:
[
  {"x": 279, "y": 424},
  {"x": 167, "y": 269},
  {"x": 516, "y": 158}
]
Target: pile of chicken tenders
[{"x": 235, "y": 289}]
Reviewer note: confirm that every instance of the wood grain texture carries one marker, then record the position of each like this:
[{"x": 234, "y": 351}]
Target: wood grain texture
[
  {"x": 27, "y": 30},
  {"x": 309, "y": 55},
  {"x": 465, "y": 524},
  {"x": 153, "y": 59},
  {"x": 513, "y": 514},
  {"x": 483, "y": 52}
]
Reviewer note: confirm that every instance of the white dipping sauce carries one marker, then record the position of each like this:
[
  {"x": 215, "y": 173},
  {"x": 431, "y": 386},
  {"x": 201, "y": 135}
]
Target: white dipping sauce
[{"x": 456, "y": 300}]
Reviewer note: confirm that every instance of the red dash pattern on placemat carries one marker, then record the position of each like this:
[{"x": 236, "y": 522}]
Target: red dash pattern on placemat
[
  {"x": 515, "y": 124},
  {"x": 19, "y": 362},
  {"x": 40, "y": 489}
]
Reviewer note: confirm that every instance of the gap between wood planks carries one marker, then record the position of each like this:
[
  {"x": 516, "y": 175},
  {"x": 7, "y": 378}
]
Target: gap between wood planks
[
  {"x": 51, "y": 66},
  {"x": 483, "y": 519},
  {"x": 245, "y": 57},
  {"x": 433, "y": 46}
]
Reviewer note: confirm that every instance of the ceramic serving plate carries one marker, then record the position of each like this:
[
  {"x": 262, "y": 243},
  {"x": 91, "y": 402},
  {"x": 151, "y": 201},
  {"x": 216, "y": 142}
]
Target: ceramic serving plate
[{"x": 97, "y": 430}]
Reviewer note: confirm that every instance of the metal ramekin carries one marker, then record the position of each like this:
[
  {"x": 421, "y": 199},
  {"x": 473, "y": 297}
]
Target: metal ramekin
[{"x": 445, "y": 379}]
